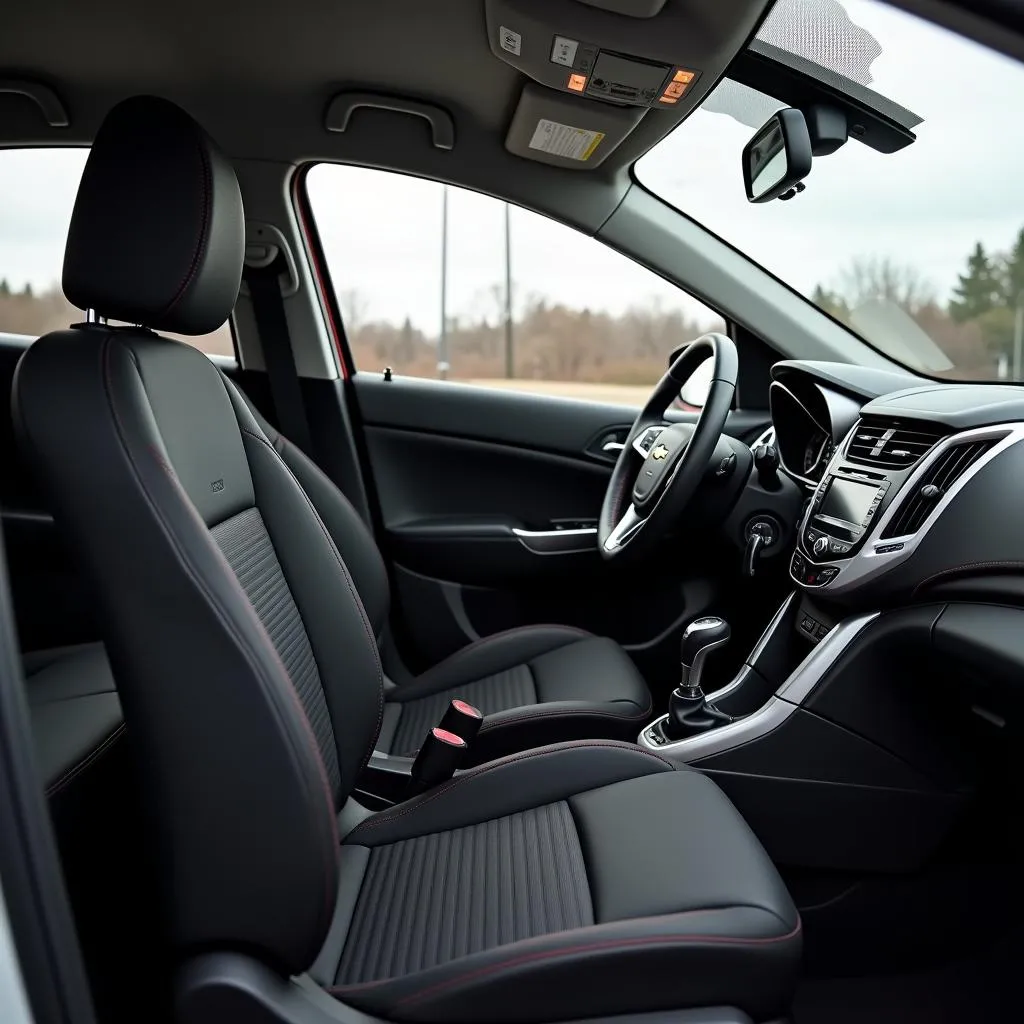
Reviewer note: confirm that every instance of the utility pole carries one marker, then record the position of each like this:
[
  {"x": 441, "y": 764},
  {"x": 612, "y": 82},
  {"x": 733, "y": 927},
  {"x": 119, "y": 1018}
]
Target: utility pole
[
  {"x": 1018, "y": 337},
  {"x": 442, "y": 341},
  {"x": 510, "y": 361}
]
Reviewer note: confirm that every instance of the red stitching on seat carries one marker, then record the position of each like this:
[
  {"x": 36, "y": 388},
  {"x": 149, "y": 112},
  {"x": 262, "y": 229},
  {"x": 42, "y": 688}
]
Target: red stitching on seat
[
  {"x": 201, "y": 242},
  {"x": 474, "y": 773},
  {"x": 348, "y": 582},
  {"x": 590, "y": 947},
  {"x": 180, "y": 553}
]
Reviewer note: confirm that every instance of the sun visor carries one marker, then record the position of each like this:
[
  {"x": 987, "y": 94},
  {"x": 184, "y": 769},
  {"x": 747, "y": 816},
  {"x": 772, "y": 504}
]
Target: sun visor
[{"x": 567, "y": 131}]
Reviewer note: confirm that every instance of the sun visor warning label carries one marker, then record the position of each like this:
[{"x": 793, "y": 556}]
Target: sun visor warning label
[{"x": 564, "y": 140}]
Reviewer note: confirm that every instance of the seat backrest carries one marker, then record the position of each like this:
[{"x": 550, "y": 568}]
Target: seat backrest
[
  {"x": 350, "y": 534},
  {"x": 246, "y": 665}
]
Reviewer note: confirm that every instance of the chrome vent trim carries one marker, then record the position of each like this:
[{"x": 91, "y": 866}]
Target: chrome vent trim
[
  {"x": 892, "y": 444},
  {"x": 942, "y": 473},
  {"x": 880, "y": 555}
]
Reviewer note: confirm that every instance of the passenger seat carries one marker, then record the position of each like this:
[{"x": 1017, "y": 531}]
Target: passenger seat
[{"x": 576, "y": 880}]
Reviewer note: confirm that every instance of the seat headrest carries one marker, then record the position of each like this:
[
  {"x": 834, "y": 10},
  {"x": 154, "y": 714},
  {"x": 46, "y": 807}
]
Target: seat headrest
[{"x": 157, "y": 236}]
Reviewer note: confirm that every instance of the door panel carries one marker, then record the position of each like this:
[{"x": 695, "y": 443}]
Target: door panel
[{"x": 487, "y": 500}]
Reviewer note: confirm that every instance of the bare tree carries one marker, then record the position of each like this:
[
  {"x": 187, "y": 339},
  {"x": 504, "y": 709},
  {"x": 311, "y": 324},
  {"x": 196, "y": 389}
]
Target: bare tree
[
  {"x": 354, "y": 307},
  {"x": 881, "y": 279}
]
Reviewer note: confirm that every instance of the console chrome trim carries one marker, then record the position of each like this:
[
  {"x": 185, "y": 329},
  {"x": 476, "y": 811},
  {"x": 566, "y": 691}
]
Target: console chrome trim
[
  {"x": 789, "y": 696},
  {"x": 557, "y": 542},
  {"x": 762, "y": 642},
  {"x": 870, "y": 563}
]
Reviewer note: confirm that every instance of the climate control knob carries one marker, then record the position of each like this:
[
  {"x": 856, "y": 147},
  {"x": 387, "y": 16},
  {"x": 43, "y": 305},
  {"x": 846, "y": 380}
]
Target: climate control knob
[{"x": 821, "y": 546}]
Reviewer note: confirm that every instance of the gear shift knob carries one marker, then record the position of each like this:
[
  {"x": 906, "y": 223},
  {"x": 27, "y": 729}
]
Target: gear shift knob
[
  {"x": 700, "y": 638},
  {"x": 688, "y": 711}
]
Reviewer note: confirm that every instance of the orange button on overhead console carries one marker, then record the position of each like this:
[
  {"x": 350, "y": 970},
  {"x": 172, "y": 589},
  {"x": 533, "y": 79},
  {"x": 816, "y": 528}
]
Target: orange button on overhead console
[
  {"x": 675, "y": 89},
  {"x": 668, "y": 99},
  {"x": 577, "y": 82},
  {"x": 686, "y": 77}
]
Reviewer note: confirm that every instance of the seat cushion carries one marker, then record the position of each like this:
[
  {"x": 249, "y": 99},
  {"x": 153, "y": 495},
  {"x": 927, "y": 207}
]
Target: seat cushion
[
  {"x": 536, "y": 685},
  {"x": 575, "y": 880}
]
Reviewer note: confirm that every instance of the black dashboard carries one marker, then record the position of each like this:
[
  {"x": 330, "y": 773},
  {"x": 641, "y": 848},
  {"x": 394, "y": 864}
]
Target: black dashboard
[{"x": 911, "y": 484}]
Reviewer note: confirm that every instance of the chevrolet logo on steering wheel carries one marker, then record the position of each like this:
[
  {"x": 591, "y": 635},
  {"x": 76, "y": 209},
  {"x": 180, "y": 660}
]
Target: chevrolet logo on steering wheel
[{"x": 661, "y": 452}]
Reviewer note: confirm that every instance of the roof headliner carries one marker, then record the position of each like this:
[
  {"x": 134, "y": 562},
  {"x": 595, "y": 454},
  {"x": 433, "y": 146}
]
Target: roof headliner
[{"x": 259, "y": 82}]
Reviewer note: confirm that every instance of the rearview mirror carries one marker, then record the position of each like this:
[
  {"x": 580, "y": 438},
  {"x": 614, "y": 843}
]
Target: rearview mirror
[{"x": 778, "y": 157}]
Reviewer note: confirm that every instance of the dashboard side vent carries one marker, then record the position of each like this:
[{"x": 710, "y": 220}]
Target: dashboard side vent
[
  {"x": 891, "y": 444},
  {"x": 948, "y": 468}
]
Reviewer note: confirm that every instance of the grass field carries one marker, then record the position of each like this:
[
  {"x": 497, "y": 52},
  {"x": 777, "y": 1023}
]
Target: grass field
[{"x": 618, "y": 394}]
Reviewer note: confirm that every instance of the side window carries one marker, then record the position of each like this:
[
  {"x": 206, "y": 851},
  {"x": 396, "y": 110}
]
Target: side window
[
  {"x": 423, "y": 274},
  {"x": 38, "y": 188}
]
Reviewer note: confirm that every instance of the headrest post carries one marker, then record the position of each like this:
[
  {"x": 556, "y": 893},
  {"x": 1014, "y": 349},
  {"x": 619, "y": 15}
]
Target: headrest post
[{"x": 92, "y": 317}]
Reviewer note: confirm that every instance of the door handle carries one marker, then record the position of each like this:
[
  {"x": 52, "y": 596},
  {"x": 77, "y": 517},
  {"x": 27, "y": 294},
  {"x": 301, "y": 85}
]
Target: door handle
[{"x": 608, "y": 444}]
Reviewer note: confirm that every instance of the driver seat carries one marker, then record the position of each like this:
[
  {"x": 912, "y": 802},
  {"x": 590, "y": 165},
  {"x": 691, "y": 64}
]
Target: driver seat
[{"x": 534, "y": 684}]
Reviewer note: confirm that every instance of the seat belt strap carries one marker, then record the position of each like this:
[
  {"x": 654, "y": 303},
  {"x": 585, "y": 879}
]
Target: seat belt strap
[{"x": 278, "y": 356}]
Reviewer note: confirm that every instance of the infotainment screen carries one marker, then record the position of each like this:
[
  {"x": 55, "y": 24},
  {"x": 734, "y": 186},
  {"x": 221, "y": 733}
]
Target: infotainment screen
[{"x": 848, "y": 501}]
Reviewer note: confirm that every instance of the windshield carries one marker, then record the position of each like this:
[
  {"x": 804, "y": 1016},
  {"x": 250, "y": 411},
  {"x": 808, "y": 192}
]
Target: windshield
[{"x": 920, "y": 252}]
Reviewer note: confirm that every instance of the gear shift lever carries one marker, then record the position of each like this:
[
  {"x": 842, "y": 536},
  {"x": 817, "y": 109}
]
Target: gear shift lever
[{"x": 688, "y": 710}]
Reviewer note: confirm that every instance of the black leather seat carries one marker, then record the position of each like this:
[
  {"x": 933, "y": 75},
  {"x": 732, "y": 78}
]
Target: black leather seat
[
  {"x": 535, "y": 685},
  {"x": 575, "y": 880}
]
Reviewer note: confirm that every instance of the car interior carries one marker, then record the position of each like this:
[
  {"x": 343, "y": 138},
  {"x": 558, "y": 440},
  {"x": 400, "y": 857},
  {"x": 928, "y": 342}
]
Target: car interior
[{"x": 702, "y": 705}]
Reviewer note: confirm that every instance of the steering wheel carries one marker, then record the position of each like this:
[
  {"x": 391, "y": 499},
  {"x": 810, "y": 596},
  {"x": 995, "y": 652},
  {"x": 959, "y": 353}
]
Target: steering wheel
[{"x": 660, "y": 467}]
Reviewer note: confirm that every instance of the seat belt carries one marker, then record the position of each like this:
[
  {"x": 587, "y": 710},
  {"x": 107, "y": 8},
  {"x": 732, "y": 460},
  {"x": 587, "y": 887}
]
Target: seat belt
[{"x": 275, "y": 340}]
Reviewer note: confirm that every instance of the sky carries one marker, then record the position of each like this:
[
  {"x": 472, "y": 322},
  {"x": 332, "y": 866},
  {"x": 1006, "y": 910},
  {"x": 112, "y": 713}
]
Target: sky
[{"x": 925, "y": 206}]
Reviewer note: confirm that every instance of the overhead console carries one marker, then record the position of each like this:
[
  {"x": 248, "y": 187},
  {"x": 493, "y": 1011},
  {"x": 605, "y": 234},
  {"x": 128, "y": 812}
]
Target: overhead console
[{"x": 600, "y": 65}]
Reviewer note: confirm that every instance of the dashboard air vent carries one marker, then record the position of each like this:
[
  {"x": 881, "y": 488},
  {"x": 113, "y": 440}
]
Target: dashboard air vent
[
  {"x": 891, "y": 444},
  {"x": 948, "y": 468}
]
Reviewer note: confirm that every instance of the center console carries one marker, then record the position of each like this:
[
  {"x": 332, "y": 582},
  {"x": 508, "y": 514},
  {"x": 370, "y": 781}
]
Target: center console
[
  {"x": 837, "y": 521},
  {"x": 886, "y": 495},
  {"x": 795, "y": 652},
  {"x": 822, "y": 739}
]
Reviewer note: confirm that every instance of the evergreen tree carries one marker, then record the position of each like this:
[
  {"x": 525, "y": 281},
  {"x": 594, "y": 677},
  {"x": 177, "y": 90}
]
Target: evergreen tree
[
  {"x": 1013, "y": 274},
  {"x": 978, "y": 290},
  {"x": 830, "y": 302},
  {"x": 5, "y": 288},
  {"x": 27, "y": 291}
]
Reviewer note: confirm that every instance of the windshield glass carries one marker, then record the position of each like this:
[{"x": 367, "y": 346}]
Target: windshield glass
[{"x": 920, "y": 252}]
